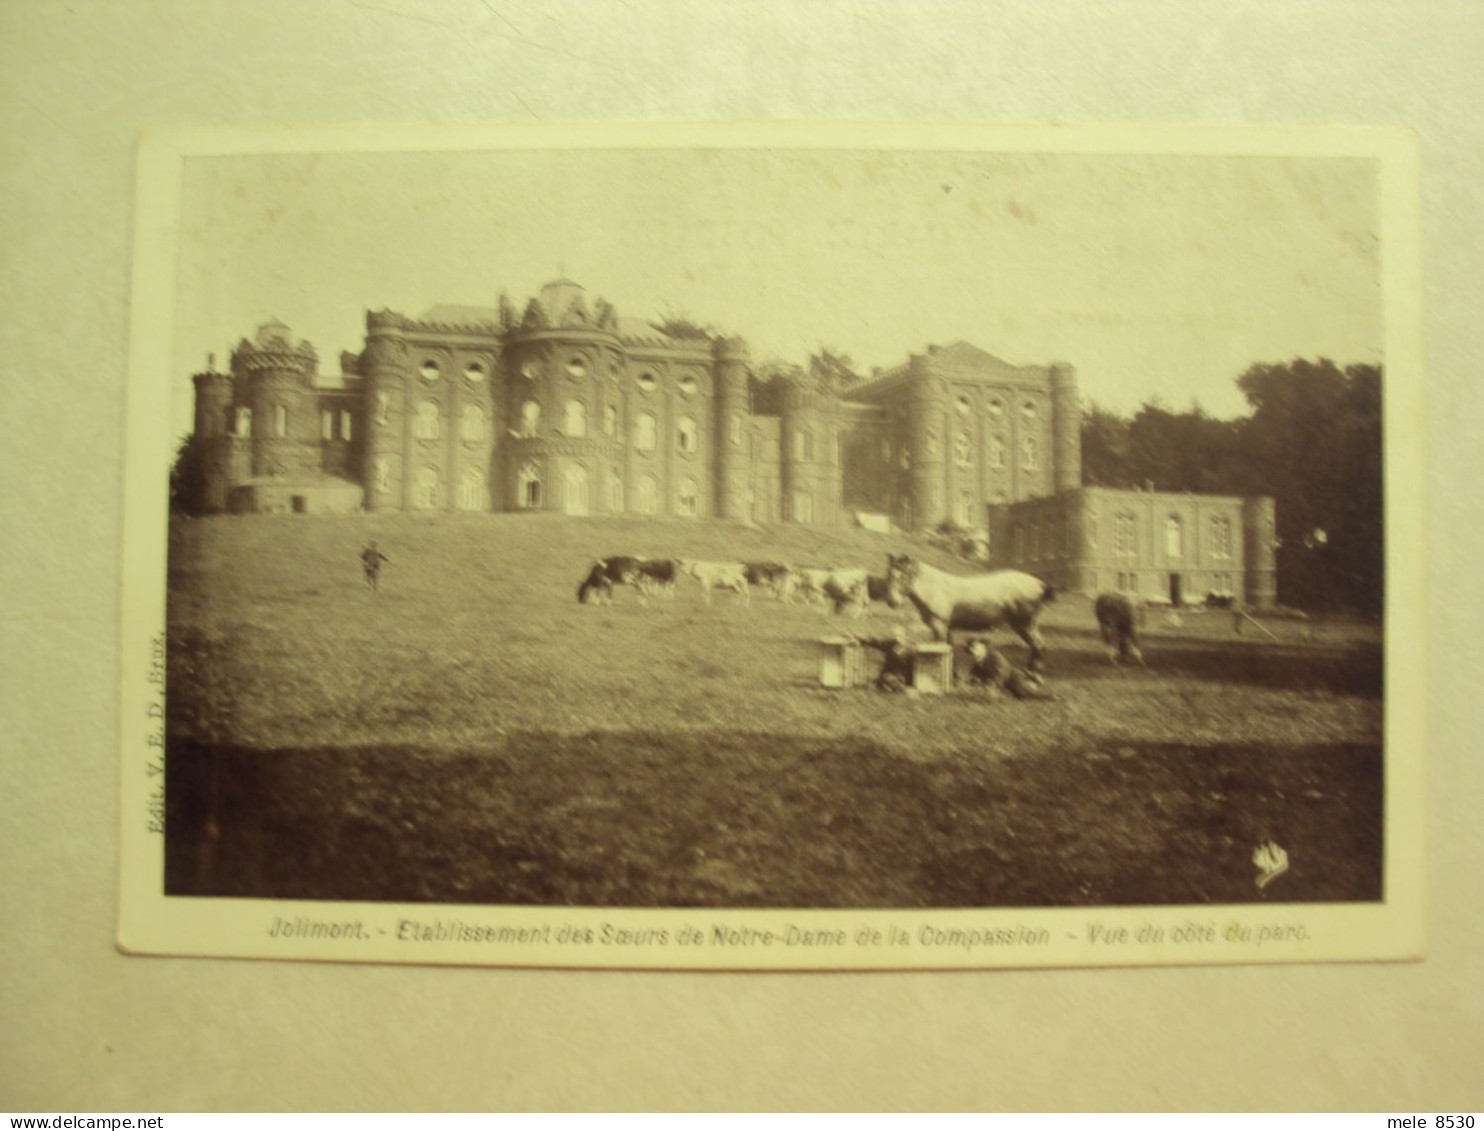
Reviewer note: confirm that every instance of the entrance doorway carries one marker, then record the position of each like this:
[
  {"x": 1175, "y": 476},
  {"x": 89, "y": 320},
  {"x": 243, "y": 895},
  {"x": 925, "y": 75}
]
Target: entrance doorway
[
  {"x": 1175, "y": 590},
  {"x": 576, "y": 493}
]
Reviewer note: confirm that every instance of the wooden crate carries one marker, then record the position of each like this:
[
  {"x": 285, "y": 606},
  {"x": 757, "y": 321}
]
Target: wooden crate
[
  {"x": 932, "y": 669},
  {"x": 842, "y": 662}
]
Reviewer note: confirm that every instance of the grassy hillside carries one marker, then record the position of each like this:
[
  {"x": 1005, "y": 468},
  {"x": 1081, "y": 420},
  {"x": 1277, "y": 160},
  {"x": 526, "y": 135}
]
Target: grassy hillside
[{"x": 471, "y": 732}]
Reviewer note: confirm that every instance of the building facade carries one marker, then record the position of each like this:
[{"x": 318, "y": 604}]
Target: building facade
[
  {"x": 569, "y": 407},
  {"x": 1162, "y": 547}
]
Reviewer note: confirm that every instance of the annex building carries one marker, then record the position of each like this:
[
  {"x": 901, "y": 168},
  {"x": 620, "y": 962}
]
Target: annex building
[{"x": 569, "y": 407}]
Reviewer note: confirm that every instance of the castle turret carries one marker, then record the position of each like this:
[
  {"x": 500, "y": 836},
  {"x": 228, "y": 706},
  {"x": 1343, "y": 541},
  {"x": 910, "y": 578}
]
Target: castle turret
[
  {"x": 1066, "y": 427},
  {"x": 383, "y": 368},
  {"x": 1259, "y": 542},
  {"x": 275, "y": 379},
  {"x": 730, "y": 383},
  {"x": 213, "y": 438},
  {"x": 808, "y": 468},
  {"x": 925, "y": 411}
]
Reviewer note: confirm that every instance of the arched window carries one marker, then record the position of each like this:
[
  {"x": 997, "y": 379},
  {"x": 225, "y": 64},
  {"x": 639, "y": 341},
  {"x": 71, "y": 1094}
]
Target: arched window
[
  {"x": 615, "y": 491},
  {"x": 528, "y": 487},
  {"x": 345, "y": 425},
  {"x": 471, "y": 489},
  {"x": 687, "y": 437},
  {"x": 576, "y": 418},
  {"x": 688, "y": 499},
  {"x": 530, "y": 418},
  {"x": 963, "y": 449},
  {"x": 646, "y": 432},
  {"x": 995, "y": 408},
  {"x": 427, "y": 488},
  {"x": 687, "y": 386},
  {"x": 1221, "y": 536},
  {"x": 471, "y": 424},
  {"x": 280, "y": 421},
  {"x": 610, "y": 420},
  {"x": 647, "y": 382},
  {"x": 429, "y": 370},
  {"x": 962, "y": 405},
  {"x": 647, "y": 497},
  {"x": 1174, "y": 537},
  {"x": 803, "y": 506},
  {"x": 1125, "y": 543},
  {"x": 1030, "y": 454},
  {"x": 426, "y": 426}
]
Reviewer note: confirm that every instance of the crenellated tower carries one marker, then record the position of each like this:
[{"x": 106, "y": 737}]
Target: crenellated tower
[
  {"x": 274, "y": 379},
  {"x": 384, "y": 409},
  {"x": 925, "y": 414},
  {"x": 214, "y": 437},
  {"x": 729, "y": 371},
  {"x": 1066, "y": 427}
]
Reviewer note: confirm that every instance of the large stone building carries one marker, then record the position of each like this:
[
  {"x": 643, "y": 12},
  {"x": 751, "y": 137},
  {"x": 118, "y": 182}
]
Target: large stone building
[{"x": 568, "y": 407}]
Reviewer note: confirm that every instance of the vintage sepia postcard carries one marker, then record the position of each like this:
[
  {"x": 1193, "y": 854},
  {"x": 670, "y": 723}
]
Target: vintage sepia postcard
[{"x": 775, "y": 546}]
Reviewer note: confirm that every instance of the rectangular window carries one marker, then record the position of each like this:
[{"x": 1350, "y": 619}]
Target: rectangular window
[
  {"x": 345, "y": 432},
  {"x": 327, "y": 425}
]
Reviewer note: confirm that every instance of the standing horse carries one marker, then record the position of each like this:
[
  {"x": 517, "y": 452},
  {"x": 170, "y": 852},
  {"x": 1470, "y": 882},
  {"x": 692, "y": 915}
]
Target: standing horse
[{"x": 977, "y": 603}]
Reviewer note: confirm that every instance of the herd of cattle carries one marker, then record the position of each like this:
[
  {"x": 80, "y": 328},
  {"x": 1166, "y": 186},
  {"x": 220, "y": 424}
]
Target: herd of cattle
[{"x": 946, "y": 602}]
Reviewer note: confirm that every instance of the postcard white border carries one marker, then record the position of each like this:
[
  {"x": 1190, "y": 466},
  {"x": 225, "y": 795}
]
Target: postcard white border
[{"x": 152, "y": 923}]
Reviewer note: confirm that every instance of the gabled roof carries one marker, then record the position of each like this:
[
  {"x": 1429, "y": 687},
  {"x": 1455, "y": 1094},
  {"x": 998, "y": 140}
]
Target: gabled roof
[{"x": 966, "y": 355}]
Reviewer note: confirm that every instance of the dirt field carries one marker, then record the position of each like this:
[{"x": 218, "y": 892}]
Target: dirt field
[{"x": 471, "y": 733}]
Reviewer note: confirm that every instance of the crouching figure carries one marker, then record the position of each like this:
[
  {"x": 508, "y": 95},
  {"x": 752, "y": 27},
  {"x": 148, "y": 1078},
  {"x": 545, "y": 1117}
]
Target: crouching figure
[{"x": 989, "y": 671}]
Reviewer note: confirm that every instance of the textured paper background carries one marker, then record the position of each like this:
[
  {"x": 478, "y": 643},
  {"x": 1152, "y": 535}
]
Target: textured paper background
[{"x": 88, "y": 1028}]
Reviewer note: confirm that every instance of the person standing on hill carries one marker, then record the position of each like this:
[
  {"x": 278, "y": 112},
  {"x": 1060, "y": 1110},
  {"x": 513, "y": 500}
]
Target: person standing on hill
[{"x": 371, "y": 559}]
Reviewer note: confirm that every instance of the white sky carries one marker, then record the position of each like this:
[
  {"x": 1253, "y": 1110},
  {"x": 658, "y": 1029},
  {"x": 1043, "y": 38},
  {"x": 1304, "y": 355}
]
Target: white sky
[{"x": 1154, "y": 276}]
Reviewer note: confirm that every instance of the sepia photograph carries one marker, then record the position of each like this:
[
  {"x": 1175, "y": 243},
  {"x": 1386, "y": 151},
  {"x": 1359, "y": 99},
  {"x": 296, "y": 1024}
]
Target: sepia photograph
[{"x": 789, "y": 549}]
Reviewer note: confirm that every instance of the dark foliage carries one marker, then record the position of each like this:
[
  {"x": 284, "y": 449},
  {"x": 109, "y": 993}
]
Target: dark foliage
[{"x": 1312, "y": 441}]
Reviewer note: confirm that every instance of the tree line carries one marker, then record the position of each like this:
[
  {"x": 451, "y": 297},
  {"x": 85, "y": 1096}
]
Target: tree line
[{"x": 1311, "y": 440}]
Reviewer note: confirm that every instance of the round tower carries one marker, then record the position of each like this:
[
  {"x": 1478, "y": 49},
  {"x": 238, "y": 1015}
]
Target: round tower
[
  {"x": 383, "y": 369},
  {"x": 279, "y": 377},
  {"x": 925, "y": 412},
  {"x": 1259, "y": 550},
  {"x": 803, "y": 435},
  {"x": 1066, "y": 428},
  {"x": 212, "y": 438},
  {"x": 729, "y": 370}
]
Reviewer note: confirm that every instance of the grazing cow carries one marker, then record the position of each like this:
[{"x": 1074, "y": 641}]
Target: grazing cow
[
  {"x": 812, "y": 583},
  {"x": 776, "y": 577},
  {"x": 847, "y": 589},
  {"x": 717, "y": 575},
  {"x": 1118, "y": 622},
  {"x": 605, "y": 574},
  {"x": 977, "y": 603},
  {"x": 658, "y": 577},
  {"x": 879, "y": 590}
]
